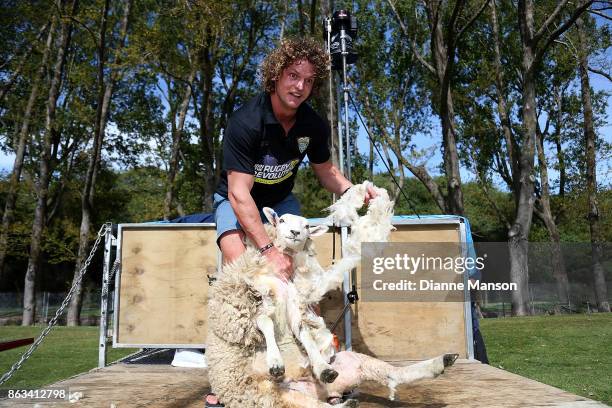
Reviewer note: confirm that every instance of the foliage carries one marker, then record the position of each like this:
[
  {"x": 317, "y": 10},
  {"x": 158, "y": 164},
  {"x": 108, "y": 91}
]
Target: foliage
[{"x": 213, "y": 49}]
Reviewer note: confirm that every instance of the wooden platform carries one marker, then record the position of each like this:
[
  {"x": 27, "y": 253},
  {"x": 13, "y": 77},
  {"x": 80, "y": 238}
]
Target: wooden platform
[{"x": 467, "y": 384}]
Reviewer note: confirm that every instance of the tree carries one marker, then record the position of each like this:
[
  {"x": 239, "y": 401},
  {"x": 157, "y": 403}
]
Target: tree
[
  {"x": 105, "y": 92},
  {"x": 446, "y": 27},
  {"x": 45, "y": 168},
  {"x": 599, "y": 281},
  {"x": 393, "y": 98},
  {"x": 22, "y": 141}
]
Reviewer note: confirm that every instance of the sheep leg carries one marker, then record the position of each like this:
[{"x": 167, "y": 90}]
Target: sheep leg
[
  {"x": 355, "y": 368},
  {"x": 423, "y": 370},
  {"x": 274, "y": 360},
  {"x": 320, "y": 367}
]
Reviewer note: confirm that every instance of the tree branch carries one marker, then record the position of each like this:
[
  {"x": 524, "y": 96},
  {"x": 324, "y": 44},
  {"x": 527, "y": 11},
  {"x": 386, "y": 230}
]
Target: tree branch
[
  {"x": 453, "y": 20},
  {"x": 561, "y": 29},
  {"x": 412, "y": 41},
  {"x": 603, "y": 74},
  {"x": 600, "y": 14},
  {"x": 549, "y": 20},
  {"x": 473, "y": 19}
]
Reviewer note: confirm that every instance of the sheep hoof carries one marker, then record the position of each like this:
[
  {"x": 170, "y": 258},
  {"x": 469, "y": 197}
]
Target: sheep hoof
[
  {"x": 277, "y": 371},
  {"x": 449, "y": 359},
  {"x": 329, "y": 375}
]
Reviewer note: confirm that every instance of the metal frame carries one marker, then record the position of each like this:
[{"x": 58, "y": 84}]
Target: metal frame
[
  {"x": 467, "y": 305},
  {"x": 121, "y": 228},
  {"x": 317, "y": 221},
  {"x": 105, "y": 297}
]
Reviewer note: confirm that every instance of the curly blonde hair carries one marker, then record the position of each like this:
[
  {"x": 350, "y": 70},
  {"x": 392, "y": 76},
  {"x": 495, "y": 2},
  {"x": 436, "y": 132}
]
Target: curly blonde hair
[{"x": 288, "y": 52}]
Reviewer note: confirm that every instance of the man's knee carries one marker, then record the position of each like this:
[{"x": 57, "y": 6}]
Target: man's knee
[{"x": 232, "y": 245}]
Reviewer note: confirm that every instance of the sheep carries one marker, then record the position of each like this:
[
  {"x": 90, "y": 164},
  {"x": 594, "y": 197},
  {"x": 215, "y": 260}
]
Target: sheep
[
  {"x": 311, "y": 282},
  {"x": 250, "y": 305},
  {"x": 238, "y": 368}
]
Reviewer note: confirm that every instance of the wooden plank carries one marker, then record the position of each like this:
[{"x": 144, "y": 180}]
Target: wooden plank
[
  {"x": 411, "y": 330},
  {"x": 467, "y": 384},
  {"x": 164, "y": 284}
]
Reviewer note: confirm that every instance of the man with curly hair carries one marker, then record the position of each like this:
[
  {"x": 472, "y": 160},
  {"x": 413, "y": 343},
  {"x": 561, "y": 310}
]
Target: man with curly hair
[{"x": 264, "y": 143}]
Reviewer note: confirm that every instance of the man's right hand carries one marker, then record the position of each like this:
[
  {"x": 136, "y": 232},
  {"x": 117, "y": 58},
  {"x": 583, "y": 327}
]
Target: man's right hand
[{"x": 282, "y": 263}]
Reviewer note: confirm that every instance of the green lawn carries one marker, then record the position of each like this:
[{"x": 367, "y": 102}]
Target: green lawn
[
  {"x": 65, "y": 352},
  {"x": 571, "y": 352}
]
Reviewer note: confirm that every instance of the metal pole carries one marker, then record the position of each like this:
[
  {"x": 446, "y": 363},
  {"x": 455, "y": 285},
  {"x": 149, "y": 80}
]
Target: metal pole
[
  {"x": 331, "y": 94},
  {"x": 104, "y": 300},
  {"x": 346, "y": 97},
  {"x": 348, "y": 277}
]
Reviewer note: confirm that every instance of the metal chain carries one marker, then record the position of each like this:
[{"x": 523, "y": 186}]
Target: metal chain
[
  {"x": 103, "y": 230},
  {"x": 114, "y": 269}
]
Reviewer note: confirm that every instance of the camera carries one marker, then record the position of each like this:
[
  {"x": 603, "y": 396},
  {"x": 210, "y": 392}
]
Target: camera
[{"x": 343, "y": 26}]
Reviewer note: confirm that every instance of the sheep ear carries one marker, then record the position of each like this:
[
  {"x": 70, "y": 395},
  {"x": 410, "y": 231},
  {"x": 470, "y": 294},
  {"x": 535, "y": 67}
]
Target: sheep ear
[
  {"x": 318, "y": 230},
  {"x": 271, "y": 215}
]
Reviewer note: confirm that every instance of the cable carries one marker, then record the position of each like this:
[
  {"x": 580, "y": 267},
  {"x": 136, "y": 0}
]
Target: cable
[{"x": 381, "y": 156}]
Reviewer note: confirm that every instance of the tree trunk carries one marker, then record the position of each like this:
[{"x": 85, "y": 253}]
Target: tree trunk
[
  {"x": 87, "y": 197},
  {"x": 557, "y": 140},
  {"x": 24, "y": 133},
  {"x": 207, "y": 71},
  {"x": 45, "y": 169},
  {"x": 177, "y": 133},
  {"x": 443, "y": 55},
  {"x": 545, "y": 214},
  {"x": 599, "y": 281},
  {"x": 518, "y": 234},
  {"x": 502, "y": 105}
]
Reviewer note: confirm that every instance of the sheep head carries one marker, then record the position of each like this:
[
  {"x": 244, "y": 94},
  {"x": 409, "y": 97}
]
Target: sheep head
[{"x": 292, "y": 231}]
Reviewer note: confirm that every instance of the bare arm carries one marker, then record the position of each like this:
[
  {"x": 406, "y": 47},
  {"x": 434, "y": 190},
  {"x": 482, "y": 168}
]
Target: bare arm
[
  {"x": 330, "y": 177},
  {"x": 239, "y": 194}
]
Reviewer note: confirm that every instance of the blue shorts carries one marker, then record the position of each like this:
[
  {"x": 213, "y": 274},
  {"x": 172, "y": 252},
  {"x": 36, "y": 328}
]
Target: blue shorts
[{"x": 226, "y": 219}]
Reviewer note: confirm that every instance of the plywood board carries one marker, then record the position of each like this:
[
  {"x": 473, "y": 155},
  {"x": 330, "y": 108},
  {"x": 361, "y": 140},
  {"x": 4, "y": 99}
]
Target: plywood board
[
  {"x": 164, "y": 285},
  {"x": 411, "y": 330},
  {"x": 466, "y": 384}
]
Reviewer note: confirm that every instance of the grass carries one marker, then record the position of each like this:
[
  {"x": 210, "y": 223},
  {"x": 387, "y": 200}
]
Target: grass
[
  {"x": 67, "y": 351},
  {"x": 571, "y": 352}
]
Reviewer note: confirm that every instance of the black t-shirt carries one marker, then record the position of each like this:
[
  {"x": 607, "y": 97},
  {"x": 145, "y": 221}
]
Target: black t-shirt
[{"x": 255, "y": 143}]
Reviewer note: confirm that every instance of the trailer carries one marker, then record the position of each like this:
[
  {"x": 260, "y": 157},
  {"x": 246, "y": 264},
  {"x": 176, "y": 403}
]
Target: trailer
[{"x": 155, "y": 286}]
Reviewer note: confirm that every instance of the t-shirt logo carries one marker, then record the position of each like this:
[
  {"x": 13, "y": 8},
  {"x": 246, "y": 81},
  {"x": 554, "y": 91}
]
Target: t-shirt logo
[
  {"x": 270, "y": 172},
  {"x": 303, "y": 143}
]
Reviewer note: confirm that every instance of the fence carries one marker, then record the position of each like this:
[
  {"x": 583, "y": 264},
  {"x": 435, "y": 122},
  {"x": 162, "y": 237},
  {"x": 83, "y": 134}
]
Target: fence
[
  {"x": 543, "y": 299},
  {"x": 11, "y": 307}
]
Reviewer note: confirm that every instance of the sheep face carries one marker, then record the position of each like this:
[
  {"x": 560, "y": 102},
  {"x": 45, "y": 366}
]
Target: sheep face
[{"x": 292, "y": 231}]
